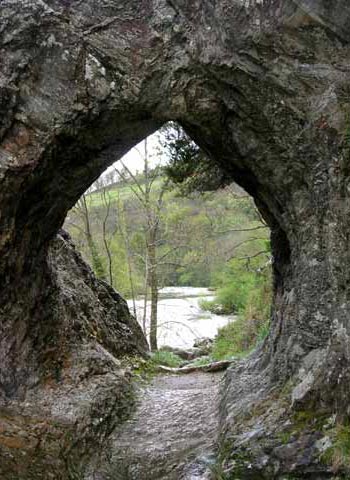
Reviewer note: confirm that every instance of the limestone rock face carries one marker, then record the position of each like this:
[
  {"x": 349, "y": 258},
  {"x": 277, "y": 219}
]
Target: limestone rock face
[
  {"x": 261, "y": 85},
  {"x": 76, "y": 390},
  {"x": 91, "y": 308}
]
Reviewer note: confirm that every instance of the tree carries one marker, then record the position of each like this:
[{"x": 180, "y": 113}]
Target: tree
[
  {"x": 189, "y": 167},
  {"x": 106, "y": 241},
  {"x": 125, "y": 236},
  {"x": 165, "y": 235},
  {"x": 81, "y": 209},
  {"x": 150, "y": 198}
]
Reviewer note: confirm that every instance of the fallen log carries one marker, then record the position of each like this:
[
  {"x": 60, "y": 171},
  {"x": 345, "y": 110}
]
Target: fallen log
[{"x": 208, "y": 367}]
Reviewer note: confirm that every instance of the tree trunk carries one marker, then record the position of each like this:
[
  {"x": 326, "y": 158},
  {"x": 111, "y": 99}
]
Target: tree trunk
[
  {"x": 93, "y": 249},
  {"x": 208, "y": 367},
  {"x": 145, "y": 299},
  {"x": 131, "y": 278},
  {"x": 153, "y": 281},
  {"x": 107, "y": 204},
  {"x": 122, "y": 228},
  {"x": 95, "y": 257}
]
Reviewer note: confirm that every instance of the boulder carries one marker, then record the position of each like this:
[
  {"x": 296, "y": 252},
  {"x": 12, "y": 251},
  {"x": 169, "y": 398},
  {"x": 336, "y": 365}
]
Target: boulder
[{"x": 79, "y": 388}]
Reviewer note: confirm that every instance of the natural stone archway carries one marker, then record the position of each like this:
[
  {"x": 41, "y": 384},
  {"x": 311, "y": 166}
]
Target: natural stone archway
[{"x": 260, "y": 85}]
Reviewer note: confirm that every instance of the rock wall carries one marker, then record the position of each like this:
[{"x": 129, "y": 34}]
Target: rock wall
[
  {"x": 261, "y": 85},
  {"x": 75, "y": 387}
]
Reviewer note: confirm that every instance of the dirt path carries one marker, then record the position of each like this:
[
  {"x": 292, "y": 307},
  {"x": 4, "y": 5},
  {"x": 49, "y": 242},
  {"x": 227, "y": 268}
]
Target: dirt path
[{"x": 172, "y": 432}]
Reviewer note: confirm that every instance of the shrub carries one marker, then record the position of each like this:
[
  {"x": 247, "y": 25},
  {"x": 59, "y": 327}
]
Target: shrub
[
  {"x": 234, "y": 296},
  {"x": 251, "y": 327},
  {"x": 169, "y": 359}
]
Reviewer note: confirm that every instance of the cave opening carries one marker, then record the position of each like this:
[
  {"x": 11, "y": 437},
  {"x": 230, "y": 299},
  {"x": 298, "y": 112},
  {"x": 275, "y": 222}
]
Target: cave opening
[
  {"x": 170, "y": 230},
  {"x": 175, "y": 235},
  {"x": 262, "y": 88}
]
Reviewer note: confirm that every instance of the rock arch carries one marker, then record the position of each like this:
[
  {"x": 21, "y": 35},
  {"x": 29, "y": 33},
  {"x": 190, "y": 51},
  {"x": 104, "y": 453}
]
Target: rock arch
[{"x": 260, "y": 85}]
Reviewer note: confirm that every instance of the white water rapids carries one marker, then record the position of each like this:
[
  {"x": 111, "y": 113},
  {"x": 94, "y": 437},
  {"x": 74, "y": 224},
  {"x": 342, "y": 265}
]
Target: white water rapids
[{"x": 180, "y": 318}]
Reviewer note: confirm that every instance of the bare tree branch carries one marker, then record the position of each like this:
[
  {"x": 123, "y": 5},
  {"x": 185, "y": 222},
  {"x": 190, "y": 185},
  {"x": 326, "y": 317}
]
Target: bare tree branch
[
  {"x": 248, "y": 240},
  {"x": 249, "y": 257}
]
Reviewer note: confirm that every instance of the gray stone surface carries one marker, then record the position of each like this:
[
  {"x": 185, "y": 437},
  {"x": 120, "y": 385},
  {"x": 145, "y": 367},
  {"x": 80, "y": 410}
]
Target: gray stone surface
[
  {"x": 261, "y": 85},
  {"x": 77, "y": 389},
  {"x": 171, "y": 435}
]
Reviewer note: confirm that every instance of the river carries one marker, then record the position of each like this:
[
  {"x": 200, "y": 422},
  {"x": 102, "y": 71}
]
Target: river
[{"x": 180, "y": 318}]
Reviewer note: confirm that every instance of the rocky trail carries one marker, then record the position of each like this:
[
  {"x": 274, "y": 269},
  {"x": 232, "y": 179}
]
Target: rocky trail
[{"x": 172, "y": 432}]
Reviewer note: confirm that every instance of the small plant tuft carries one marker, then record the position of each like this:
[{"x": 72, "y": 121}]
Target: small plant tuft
[
  {"x": 338, "y": 455},
  {"x": 168, "y": 359}
]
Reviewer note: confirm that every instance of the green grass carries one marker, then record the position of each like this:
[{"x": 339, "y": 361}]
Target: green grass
[
  {"x": 338, "y": 455},
  {"x": 240, "y": 337},
  {"x": 123, "y": 192},
  {"x": 198, "y": 362},
  {"x": 168, "y": 359},
  {"x": 249, "y": 294}
]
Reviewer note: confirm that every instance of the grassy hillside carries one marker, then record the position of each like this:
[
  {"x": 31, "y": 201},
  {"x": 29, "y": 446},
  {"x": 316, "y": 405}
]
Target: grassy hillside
[{"x": 121, "y": 190}]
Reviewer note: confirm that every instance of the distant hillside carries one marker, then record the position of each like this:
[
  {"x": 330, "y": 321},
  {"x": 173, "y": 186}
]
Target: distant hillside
[{"x": 197, "y": 235}]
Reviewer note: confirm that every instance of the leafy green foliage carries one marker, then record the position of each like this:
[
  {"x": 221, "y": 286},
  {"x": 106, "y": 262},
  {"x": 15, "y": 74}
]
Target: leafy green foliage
[
  {"x": 239, "y": 337},
  {"x": 189, "y": 167},
  {"x": 196, "y": 235},
  {"x": 233, "y": 296},
  {"x": 245, "y": 290}
]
